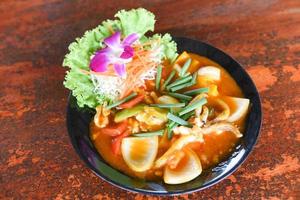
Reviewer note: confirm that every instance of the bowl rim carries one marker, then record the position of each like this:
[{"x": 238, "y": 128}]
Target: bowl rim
[{"x": 186, "y": 191}]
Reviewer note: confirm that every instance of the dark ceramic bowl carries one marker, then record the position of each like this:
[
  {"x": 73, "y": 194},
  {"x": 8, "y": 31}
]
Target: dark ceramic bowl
[{"x": 78, "y": 128}]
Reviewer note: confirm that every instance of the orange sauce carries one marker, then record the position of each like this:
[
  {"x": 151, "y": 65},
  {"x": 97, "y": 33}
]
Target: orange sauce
[{"x": 216, "y": 147}]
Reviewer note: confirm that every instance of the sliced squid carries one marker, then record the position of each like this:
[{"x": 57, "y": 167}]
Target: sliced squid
[
  {"x": 225, "y": 113},
  {"x": 210, "y": 127},
  {"x": 220, "y": 127},
  {"x": 177, "y": 145}
]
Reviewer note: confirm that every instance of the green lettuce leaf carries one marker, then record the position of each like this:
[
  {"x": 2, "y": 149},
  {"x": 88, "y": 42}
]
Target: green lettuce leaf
[
  {"x": 136, "y": 21},
  {"x": 169, "y": 46},
  {"x": 81, "y": 50}
]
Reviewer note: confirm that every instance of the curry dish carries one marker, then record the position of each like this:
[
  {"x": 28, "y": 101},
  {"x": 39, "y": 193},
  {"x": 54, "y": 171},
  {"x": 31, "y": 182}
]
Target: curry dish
[
  {"x": 158, "y": 115},
  {"x": 213, "y": 131}
]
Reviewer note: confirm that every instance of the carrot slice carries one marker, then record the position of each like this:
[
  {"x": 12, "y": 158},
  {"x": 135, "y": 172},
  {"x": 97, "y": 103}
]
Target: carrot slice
[
  {"x": 116, "y": 129},
  {"x": 116, "y": 142}
]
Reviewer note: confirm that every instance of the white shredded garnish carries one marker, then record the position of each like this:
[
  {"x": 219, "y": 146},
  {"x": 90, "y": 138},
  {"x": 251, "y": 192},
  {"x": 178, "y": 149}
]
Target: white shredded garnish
[{"x": 110, "y": 86}]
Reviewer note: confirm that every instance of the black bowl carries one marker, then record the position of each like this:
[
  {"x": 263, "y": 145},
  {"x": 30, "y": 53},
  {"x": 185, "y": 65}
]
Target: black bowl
[{"x": 78, "y": 128}]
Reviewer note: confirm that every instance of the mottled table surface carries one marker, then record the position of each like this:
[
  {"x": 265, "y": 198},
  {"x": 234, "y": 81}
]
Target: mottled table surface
[{"x": 37, "y": 160}]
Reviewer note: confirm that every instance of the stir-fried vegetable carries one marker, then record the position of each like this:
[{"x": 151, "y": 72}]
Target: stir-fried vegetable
[
  {"x": 116, "y": 142},
  {"x": 128, "y": 112},
  {"x": 133, "y": 101},
  {"x": 180, "y": 96},
  {"x": 173, "y": 124},
  {"x": 175, "y": 105},
  {"x": 149, "y": 134},
  {"x": 193, "y": 106},
  {"x": 177, "y": 119},
  {"x": 196, "y": 91},
  {"x": 152, "y": 116},
  {"x": 179, "y": 82},
  {"x": 182, "y": 86},
  {"x": 185, "y": 67},
  {"x": 171, "y": 75},
  {"x": 129, "y": 97},
  {"x": 116, "y": 129}
]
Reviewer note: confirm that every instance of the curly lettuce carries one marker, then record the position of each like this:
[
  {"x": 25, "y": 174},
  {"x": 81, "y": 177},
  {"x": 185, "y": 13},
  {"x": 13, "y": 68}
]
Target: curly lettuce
[{"x": 138, "y": 21}]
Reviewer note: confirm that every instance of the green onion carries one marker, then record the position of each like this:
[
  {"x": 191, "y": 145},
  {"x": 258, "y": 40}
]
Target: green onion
[
  {"x": 122, "y": 100},
  {"x": 173, "y": 124},
  {"x": 179, "y": 87},
  {"x": 185, "y": 67},
  {"x": 180, "y": 81},
  {"x": 158, "y": 77},
  {"x": 149, "y": 134},
  {"x": 196, "y": 91},
  {"x": 171, "y": 127},
  {"x": 177, "y": 119},
  {"x": 193, "y": 106},
  {"x": 171, "y": 75},
  {"x": 194, "y": 80},
  {"x": 175, "y": 105},
  {"x": 180, "y": 96}
]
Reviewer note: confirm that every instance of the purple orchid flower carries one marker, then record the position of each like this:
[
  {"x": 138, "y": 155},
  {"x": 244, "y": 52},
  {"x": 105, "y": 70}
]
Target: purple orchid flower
[{"x": 116, "y": 52}]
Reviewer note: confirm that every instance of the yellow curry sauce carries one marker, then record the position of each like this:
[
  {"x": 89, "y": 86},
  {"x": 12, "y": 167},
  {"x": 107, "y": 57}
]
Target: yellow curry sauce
[{"x": 216, "y": 147}]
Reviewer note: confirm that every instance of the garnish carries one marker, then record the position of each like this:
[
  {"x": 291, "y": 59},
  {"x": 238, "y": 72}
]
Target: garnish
[
  {"x": 117, "y": 53},
  {"x": 105, "y": 68}
]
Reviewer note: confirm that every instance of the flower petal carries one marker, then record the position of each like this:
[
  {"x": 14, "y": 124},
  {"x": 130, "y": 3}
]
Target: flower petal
[
  {"x": 127, "y": 53},
  {"x": 105, "y": 50},
  {"x": 99, "y": 62},
  {"x": 120, "y": 69},
  {"x": 130, "y": 39},
  {"x": 113, "y": 41}
]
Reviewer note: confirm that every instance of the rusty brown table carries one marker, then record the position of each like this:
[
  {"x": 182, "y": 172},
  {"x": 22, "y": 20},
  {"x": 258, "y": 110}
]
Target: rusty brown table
[{"x": 37, "y": 160}]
